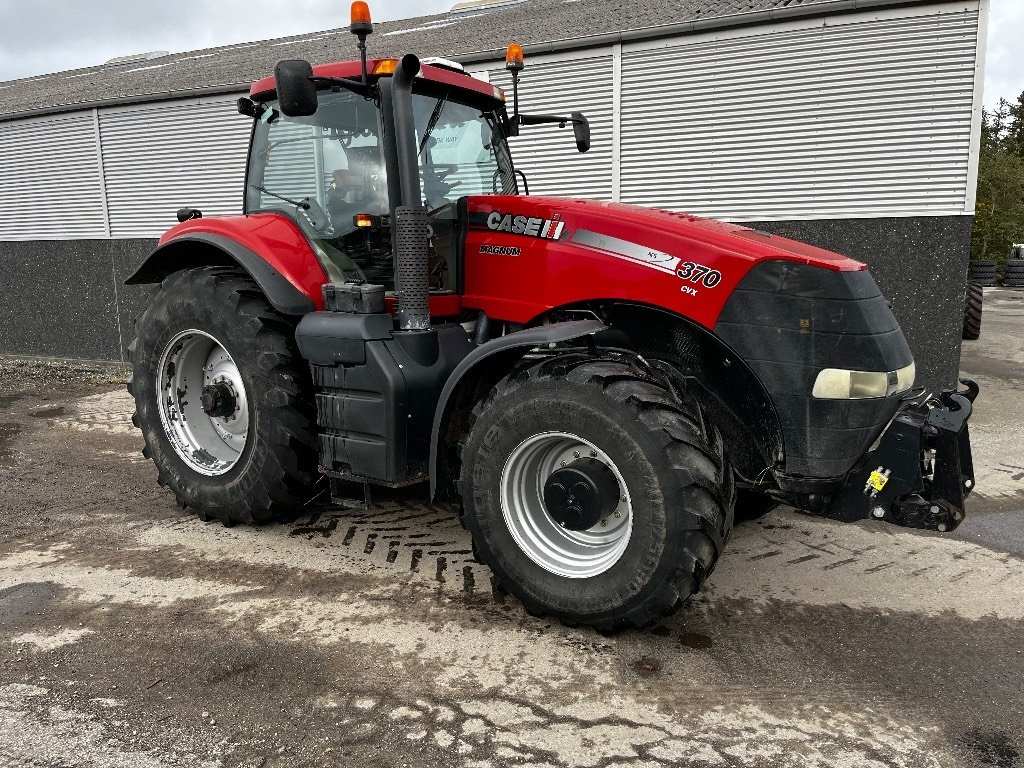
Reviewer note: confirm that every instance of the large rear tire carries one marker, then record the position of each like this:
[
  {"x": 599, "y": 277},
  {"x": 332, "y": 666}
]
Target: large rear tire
[
  {"x": 223, "y": 398},
  {"x": 973, "y": 304},
  {"x": 673, "y": 507}
]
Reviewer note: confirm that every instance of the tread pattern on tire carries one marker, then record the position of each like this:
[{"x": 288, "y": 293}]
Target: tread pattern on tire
[
  {"x": 288, "y": 470},
  {"x": 973, "y": 304},
  {"x": 693, "y": 448}
]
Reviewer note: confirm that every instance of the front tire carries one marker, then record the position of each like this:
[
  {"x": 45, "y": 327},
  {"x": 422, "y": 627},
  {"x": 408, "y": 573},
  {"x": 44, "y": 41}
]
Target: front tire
[
  {"x": 223, "y": 398},
  {"x": 661, "y": 532}
]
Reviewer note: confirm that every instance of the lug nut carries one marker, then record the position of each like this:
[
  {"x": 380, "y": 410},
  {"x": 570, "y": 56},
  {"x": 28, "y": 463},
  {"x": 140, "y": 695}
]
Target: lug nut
[
  {"x": 593, "y": 454},
  {"x": 878, "y": 512},
  {"x": 617, "y": 513},
  {"x": 604, "y": 523},
  {"x": 575, "y": 454}
]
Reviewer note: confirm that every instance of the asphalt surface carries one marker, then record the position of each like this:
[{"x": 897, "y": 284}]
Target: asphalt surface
[{"x": 132, "y": 634}]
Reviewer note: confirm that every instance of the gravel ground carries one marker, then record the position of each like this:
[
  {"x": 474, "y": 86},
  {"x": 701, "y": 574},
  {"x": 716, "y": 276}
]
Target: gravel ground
[{"x": 131, "y": 634}]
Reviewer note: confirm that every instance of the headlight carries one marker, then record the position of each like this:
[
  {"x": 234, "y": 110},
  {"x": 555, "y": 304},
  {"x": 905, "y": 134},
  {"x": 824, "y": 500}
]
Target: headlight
[{"x": 840, "y": 384}]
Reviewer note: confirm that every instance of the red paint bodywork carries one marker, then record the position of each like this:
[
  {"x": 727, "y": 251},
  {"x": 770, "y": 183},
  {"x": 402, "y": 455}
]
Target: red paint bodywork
[
  {"x": 273, "y": 236},
  {"x": 549, "y": 274},
  {"x": 266, "y": 88}
]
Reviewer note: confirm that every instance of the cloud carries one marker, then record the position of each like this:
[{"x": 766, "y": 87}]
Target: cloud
[
  {"x": 1004, "y": 65},
  {"x": 47, "y": 36}
]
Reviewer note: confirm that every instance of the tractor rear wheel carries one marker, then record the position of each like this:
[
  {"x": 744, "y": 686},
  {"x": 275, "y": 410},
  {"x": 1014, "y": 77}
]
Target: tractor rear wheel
[
  {"x": 223, "y": 398},
  {"x": 973, "y": 305},
  {"x": 596, "y": 494}
]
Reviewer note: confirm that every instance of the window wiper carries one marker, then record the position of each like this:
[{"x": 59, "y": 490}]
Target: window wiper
[
  {"x": 303, "y": 204},
  {"x": 432, "y": 122}
]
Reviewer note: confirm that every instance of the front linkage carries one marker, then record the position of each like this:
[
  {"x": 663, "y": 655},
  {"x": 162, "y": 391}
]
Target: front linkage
[{"x": 921, "y": 471}]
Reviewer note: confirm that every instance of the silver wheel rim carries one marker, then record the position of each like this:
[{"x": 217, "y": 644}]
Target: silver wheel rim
[
  {"x": 208, "y": 445},
  {"x": 573, "y": 554}
]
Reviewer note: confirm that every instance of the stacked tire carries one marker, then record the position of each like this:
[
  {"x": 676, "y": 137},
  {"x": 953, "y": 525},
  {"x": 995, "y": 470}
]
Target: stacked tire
[
  {"x": 982, "y": 272},
  {"x": 1013, "y": 273},
  {"x": 972, "y": 311}
]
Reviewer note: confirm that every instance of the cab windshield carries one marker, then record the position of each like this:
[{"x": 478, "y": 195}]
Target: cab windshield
[{"x": 324, "y": 169}]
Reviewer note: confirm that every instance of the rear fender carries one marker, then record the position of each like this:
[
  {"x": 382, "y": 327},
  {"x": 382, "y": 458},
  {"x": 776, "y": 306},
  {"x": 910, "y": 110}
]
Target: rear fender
[{"x": 270, "y": 248}]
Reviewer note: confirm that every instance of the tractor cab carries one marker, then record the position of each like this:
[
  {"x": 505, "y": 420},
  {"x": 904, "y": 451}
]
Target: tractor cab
[{"x": 335, "y": 172}]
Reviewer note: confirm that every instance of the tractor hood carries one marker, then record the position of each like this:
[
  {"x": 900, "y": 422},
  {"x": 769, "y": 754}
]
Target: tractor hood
[{"x": 531, "y": 254}]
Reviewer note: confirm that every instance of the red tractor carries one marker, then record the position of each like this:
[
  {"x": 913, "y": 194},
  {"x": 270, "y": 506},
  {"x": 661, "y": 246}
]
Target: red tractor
[{"x": 598, "y": 385}]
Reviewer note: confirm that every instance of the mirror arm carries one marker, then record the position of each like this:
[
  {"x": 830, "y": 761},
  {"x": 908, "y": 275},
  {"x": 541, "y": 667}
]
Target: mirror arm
[
  {"x": 547, "y": 119},
  {"x": 363, "y": 89}
]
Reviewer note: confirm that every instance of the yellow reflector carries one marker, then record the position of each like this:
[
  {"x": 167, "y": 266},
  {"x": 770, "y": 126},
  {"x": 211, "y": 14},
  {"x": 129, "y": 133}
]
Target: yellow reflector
[
  {"x": 363, "y": 220},
  {"x": 514, "y": 57},
  {"x": 385, "y": 67}
]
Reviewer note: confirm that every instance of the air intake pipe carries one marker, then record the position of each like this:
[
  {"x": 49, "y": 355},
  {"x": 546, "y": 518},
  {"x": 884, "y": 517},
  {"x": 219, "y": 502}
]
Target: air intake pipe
[{"x": 410, "y": 226}]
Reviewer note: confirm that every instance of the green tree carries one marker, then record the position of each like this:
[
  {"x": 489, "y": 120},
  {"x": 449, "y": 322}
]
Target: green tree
[{"x": 999, "y": 211}]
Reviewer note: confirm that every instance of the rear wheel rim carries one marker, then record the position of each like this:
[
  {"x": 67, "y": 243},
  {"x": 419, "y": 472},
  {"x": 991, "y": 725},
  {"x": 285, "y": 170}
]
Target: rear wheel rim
[
  {"x": 209, "y": 445},
  {"x": 567, "y": 553}
]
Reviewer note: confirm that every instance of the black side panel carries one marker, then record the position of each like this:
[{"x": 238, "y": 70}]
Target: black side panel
[
  {"x": 376, "y": 392},
  {"x": 195, "y": 250},
  {"x": 788, "y": 321}
]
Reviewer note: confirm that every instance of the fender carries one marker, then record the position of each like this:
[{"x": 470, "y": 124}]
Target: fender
[
  {"x": 473, "y": 366},
  {"x": 271, "y": 249}
]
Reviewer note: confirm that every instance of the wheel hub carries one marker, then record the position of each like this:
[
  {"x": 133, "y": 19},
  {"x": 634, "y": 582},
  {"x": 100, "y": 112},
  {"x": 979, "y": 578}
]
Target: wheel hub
[
  {"x": 204, "y": 407},
  {"x": 566, "y": 504},
  {"x": 218, "y": 400},
  {"x": 581, "y": 494}
]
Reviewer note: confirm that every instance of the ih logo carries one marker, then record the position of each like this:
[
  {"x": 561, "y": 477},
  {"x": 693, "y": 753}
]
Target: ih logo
[{"x": 546, "y": 229}]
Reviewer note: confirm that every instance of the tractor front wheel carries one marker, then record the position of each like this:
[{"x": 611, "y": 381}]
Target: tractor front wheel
[
  {"x": 596, "y": 494},
  {"x": 223, "y": 398}
]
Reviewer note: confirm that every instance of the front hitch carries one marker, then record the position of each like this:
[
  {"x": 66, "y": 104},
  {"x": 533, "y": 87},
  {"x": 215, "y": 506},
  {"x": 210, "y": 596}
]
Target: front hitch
[{"x": 921, "y": 471}]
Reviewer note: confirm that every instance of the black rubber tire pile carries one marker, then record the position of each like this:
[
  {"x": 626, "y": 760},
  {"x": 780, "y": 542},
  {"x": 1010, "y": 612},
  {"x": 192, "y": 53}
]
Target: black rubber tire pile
[
  {"x": 1013, "y": 273},
  {"x": 982, "y": 272}
]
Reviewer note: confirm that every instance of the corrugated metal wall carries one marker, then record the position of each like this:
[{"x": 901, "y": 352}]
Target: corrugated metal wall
[
  {"x": 867, "y": 115},
  {"x": 547, "y": 154},
  {"x": 863, "y": 119},
  {"x": 50, "y": 179},
  {"x": 159, "y": 158}
]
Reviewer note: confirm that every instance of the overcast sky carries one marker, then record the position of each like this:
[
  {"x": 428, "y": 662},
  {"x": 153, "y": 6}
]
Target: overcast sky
[{"x": 44, "y": 36}]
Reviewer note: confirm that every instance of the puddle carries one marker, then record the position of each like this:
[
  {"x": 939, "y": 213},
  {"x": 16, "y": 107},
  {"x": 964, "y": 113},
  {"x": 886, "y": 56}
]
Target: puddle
[
  {"x": 993, "y": 748},
  {"x": 7, "y": 434},
  {"x": 695, "y": 640},
  {"x": 6, "y": 401},
  {"x": 47, "y": 411}
]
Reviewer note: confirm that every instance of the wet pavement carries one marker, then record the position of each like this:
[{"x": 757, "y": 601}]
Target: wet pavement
[{"x": 132, "y": 634}]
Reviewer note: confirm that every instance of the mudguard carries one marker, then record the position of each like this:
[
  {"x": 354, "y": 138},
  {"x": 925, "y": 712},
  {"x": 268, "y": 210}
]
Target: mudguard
[
  {"x": 472, "y": 363},
  {"x": 180, "y": 253}
]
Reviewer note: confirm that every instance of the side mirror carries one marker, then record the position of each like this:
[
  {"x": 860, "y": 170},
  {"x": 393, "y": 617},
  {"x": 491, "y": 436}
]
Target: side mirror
[
  {"x": 581, "y": 127},
  {"x": 296, "y": 91}
]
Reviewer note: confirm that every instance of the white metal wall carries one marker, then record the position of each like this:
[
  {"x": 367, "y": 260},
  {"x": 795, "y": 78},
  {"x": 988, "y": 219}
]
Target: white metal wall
[
  {"x": 864, "y": 115},
  {"x": 546, "y": 153},
  {"x": 868, "y": 118},
  {"x": 160, "y": 157},
  {"x": 50, "y": 184}
]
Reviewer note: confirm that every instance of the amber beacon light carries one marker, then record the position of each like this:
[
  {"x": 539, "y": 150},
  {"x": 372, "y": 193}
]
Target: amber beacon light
[
  {"x": 361, "y": 23},
  {"x": 514, "y": 57}
]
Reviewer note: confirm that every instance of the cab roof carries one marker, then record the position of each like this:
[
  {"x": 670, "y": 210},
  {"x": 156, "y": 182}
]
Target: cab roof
[{"x": 266, "y": 88}]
